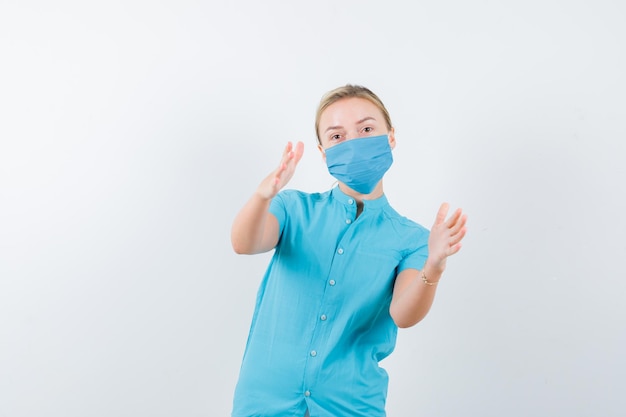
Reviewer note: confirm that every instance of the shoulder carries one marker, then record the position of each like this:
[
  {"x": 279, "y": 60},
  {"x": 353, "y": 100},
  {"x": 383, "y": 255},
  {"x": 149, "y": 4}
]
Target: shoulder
[
  {"x": 403, "y": 224},
  {"x": 290, "y": 197},
  {"x": 295, "y": 204}
]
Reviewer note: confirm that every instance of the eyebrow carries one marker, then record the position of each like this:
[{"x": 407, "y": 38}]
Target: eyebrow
[{"x": 365, "y": 119}]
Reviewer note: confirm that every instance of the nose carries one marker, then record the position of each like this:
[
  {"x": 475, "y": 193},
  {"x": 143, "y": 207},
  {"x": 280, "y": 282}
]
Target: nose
[{"x": 353, "y": 135}]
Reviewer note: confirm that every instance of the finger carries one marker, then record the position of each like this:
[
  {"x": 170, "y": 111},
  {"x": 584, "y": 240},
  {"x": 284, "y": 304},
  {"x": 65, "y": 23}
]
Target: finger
[
  {"x": 286, "y": 157},
  {"x": 455, "y": 239},
  {"x": 286, "y": 152},
  {"x": 459, "y": 222},
  {"x": 453, "y": 219},
  {"x": 454, "y": 249},
  {"x": 288, "y": 148},
  {"x": 291, "y": 156},
  {"x": 281, "y": 168},
  {"x": 441, "y": 214},
  {"x": 278, "y": 173},
  {"x": 295, "y": 155},
  {"x": 298, "y": 151}
]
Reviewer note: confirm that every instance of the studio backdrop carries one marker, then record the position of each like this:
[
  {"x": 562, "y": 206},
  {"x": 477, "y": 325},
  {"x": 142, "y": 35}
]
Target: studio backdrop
[{"x": 131, "y": 132}]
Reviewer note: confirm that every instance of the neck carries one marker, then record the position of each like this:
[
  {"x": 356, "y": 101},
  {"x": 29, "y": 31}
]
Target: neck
[{"x": 358, "y": 197}]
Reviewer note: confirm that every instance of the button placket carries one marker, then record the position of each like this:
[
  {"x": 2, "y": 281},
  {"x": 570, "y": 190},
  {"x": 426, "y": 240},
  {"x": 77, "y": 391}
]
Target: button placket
[
  {"x": 350, "y": 212},
  {"x": 324, "y": 315}
]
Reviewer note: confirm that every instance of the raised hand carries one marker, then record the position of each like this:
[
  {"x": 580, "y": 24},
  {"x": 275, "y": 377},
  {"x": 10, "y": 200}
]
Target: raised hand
[
  {"x": 445, "y": 236},
  {"x": 275, "y": 181}
]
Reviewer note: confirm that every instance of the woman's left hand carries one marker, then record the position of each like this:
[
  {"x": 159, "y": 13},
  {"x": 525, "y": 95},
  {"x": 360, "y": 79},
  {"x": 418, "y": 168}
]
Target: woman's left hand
[{"x": 445, "y": 236}]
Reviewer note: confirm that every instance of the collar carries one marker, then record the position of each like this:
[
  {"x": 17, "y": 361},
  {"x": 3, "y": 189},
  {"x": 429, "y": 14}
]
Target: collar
[{"x": 349, "y": 201}]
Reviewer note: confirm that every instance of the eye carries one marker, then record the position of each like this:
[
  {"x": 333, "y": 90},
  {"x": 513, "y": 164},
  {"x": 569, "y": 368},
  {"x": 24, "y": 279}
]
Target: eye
[
  {"x": 368, "y": 129},
  {"x": 335, "y": 137}
]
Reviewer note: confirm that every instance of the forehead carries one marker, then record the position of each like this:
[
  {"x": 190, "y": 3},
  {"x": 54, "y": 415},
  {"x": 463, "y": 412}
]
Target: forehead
[{"x": 349, "y": 111}]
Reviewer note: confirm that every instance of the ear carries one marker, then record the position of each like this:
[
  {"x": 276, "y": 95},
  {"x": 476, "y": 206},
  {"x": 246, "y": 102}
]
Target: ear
[
  {"x": 392, "y": 137},
  {"x": 322, "y": 152}
]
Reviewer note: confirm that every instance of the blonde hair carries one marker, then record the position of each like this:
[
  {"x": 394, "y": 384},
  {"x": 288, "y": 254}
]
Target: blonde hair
[{"x": 348, "y": 91}]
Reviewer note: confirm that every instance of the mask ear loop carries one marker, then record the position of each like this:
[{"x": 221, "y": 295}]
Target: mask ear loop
[{"x": 323, "y": 150}]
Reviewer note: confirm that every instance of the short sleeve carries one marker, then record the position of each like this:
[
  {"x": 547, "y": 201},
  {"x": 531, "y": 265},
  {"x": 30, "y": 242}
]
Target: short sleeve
[
  {"x": 415, "y": 258},
  {"x": 279, "y": 210}
]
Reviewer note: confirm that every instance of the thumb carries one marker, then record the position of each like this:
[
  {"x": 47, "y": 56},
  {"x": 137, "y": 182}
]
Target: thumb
[{"x": 298, "y": 151}]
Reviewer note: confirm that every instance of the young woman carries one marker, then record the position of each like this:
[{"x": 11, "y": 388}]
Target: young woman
[{"x": 347, "y": 271}]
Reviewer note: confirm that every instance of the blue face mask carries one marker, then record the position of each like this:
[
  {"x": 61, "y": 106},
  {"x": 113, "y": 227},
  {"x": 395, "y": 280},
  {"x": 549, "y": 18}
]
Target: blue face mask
[{"x": 360, "y": 163}]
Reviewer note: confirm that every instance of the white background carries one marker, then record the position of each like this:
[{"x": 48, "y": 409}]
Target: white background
[{"x": 132, "y": 131}]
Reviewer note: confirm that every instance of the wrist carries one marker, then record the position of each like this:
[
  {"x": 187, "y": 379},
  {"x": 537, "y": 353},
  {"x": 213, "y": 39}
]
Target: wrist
[
  {"x": 432, "y": 271},
  {"x": 433, "y": 267},
  {"x": 428, "y": 281},
  {"x": 263, "y": 195}
]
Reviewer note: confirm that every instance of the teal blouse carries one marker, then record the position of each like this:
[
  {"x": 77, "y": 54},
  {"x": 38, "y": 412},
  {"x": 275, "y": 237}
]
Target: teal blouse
[{"x": 321, "y": 322}]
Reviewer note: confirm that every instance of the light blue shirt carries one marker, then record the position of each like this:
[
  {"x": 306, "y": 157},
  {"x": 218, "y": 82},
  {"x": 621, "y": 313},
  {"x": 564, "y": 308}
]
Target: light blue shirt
[{"x": 321, "y": 322}]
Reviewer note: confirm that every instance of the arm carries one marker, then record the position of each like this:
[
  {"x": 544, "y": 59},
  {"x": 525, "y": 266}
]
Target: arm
[
  {"x": 412, "y": 295},
  {"x": 255, "y": 229}
]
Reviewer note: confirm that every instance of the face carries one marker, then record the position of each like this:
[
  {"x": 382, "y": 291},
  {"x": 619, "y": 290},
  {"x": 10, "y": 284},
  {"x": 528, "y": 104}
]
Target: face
[{"x": 352, "y": 118}]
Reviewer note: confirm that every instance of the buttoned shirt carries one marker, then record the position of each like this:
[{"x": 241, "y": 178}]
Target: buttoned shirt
[{"x": 321, "y": 323}]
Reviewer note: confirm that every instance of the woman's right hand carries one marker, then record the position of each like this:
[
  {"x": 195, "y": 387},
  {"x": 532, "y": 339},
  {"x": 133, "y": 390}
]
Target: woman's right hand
[{"x": 274, "y": 182}]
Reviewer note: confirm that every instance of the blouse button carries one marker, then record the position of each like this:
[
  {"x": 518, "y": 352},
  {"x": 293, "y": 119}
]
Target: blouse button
[
  {"x": 313, "y": 353},
  {"x": 348, "y": 221},
  {"x": 331, "y": 282},
  {"x": 350, "y": 201},
  {"x": 323, "y": 317},
  {"x": 340, "y": 251}
]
